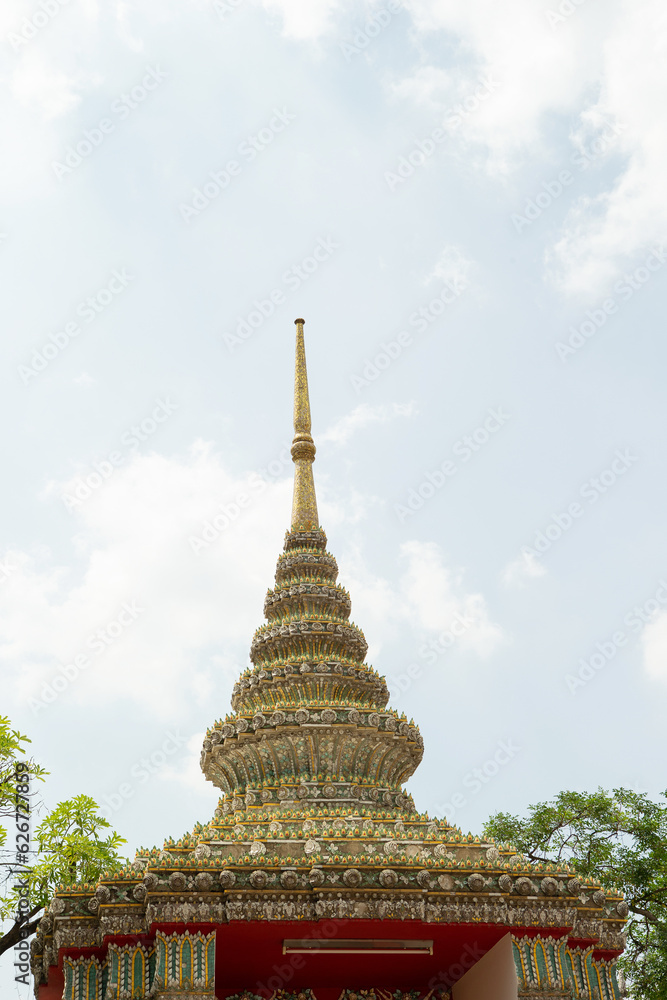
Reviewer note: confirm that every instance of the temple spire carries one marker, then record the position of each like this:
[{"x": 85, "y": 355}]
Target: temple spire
[{"x": 304, "y": 507}]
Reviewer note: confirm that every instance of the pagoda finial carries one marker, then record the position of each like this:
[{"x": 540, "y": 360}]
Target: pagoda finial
[{"x": 304, "y": 507}]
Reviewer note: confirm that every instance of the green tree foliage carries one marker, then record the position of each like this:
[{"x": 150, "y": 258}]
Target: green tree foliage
[
  {"x": 618, "y": 838},
  {"x": 12, "y": 749},
  {"x": 72, "y": 843}
]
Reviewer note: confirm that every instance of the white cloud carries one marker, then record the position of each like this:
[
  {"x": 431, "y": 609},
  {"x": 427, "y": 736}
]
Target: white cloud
[
  {"x": 526, "y": 567},
  {"x": 132, "y": 536},
  {"x": 304, "y": 20},
  {"x": 36, "y": 84},
  {"x": 606, "y": 64},
  {"x": 427, "y": 599},
  {"x": 528, "y": 69},
  {"x": 515, "y": 74},
  {"x": 451, "y": 266},
  {"x": 436, "y": 598},
  {"x": 654, "y": 646},
  {"x": 155, "y": 619},
  {"x": 603, "y": 233},
  {"x": 364, "y": 415}
]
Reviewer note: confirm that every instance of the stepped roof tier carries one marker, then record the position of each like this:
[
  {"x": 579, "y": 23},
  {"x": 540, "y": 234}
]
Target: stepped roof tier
[{"x": 316, "y": 849}]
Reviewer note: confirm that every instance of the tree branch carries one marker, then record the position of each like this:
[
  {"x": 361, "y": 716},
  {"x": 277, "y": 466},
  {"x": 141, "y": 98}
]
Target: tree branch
[
  {"x": 21, "y": 929},
  {"x": 651, "y": 917}
]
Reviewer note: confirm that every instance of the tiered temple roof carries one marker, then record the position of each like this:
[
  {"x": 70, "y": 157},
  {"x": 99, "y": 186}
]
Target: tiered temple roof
[{"x": 314, "y": 824}]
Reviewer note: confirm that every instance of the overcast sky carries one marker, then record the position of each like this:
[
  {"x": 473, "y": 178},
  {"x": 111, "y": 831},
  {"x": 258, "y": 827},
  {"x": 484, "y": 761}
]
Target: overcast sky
[{"x": 466, "y": 202}]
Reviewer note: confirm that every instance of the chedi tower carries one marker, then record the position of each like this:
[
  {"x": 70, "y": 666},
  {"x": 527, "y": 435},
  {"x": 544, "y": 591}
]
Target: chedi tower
[{"x": 317, "y": 879}]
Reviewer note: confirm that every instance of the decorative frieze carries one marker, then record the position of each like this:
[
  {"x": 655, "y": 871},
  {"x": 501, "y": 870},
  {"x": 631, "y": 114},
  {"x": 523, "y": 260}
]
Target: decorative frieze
[
  {"x": 85, "y": 979},
  {"x": 548, "y": 968},
  {"x": 178, "y": 965},
  {"x": 185, "y": 965}
]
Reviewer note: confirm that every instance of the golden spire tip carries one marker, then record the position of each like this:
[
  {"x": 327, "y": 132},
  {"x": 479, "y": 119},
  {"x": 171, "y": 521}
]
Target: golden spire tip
[{"x": 304, "y": 507}]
